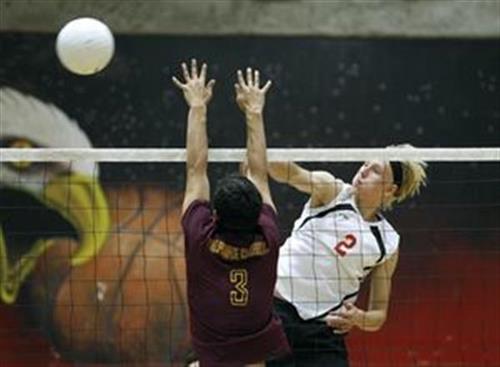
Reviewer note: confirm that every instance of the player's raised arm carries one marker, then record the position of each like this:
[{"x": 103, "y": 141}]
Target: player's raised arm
[
  {"x": 197, "y": 94},
  {"x": 321, "y": 185},
  {"x": 251, "y": 99}
]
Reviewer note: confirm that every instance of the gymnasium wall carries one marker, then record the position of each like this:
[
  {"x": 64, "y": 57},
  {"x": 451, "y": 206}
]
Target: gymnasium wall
[
  {"x": 326, "y": 93},
  {"x": 345, "y": 74}
]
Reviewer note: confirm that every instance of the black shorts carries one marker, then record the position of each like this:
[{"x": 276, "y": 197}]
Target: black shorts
[{"x": 313, "y": 342}]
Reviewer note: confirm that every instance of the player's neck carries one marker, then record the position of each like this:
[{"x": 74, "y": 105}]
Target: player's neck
[{"x": 368, "y": 211}]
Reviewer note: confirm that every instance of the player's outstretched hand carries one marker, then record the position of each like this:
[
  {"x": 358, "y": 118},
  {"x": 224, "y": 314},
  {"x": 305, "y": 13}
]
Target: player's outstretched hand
[
  {"x": 196, "y": 91},
  {"x": 249, "y": 96}
]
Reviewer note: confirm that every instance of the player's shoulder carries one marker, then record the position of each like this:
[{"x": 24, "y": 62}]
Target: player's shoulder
[
  {"x": 197, "y": 211},
  {"x": 198, "y": 205}
]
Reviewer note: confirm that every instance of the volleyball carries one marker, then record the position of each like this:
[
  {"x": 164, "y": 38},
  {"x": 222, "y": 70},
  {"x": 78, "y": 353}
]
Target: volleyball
[{"x": 85, "y": 46}]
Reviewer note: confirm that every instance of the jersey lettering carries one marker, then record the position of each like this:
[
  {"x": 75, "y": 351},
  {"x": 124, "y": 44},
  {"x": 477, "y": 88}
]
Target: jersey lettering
[
  {"x": 347, "y": 243},
  {"x": 239, "y": 295}
]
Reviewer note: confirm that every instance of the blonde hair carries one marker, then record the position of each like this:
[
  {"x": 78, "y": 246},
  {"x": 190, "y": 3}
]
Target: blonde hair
[{"x": 414, "y": 178}]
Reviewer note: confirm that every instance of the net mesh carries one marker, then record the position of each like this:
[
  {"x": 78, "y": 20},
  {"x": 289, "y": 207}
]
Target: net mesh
[{"x": 93, "y": 255}]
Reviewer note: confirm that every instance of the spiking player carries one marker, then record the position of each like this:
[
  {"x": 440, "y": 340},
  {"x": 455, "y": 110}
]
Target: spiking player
[{"x": 340, "y": 238}]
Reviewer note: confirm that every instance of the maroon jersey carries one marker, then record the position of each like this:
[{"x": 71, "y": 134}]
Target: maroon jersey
[{"x": 230, "y": 282}]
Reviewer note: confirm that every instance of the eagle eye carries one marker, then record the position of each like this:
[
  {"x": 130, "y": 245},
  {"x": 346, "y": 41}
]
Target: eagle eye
[{"x": 20, "y": 143}]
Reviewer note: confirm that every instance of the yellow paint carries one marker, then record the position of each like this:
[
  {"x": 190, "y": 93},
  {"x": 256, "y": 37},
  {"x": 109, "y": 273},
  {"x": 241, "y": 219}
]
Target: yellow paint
[{"x": 81, "y": 201}]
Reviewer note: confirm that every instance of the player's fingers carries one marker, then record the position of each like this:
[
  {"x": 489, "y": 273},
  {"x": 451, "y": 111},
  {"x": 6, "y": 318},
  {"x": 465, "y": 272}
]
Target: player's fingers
[
  {"x": 194, "y": 71},
  {"x": 341, "y": 330},
  {"x": 347, "y": 315},
  {"x": 348, "y": 305},
  {"x": 266, "y": 87},
  {"x": 241, "y": 81},
  {"x": 178, "y": 83},
  {"x": 334, "y": 320},
  {"x": 256, "y": 78},
  {"x": 185, "y": 72},
  {"x": 343, "y": 325},
  {"x": 249, "y": 77},
  {"x": 203, "y": 72},
  {"x": 211, "y": 84},
  {"x": 347, "y": 328},
  {"x": 237, "y": 88},
  {"x": 338, "y": 326}
]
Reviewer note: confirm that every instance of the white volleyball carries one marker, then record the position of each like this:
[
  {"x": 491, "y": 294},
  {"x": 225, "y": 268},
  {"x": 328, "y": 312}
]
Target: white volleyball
[{"x": 85, "y": 46}]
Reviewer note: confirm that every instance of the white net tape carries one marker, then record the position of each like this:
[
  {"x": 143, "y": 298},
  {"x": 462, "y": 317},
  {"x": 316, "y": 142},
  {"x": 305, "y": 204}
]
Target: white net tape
[{"x": 237, "y": 154}]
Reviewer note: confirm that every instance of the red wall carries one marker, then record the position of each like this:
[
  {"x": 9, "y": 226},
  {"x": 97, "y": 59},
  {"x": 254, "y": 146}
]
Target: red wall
[{"x": 445, "y": 308}]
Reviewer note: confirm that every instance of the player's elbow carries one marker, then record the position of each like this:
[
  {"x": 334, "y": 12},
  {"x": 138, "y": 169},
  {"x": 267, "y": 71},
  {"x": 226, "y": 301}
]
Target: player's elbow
[
  {"x": 378, "y": 325},
  {"x": 280, "y": 171},
  {"x": 374, "y": 321},
  {"x": 373, "y": 327},
  {"x": 379, "y": 321}
]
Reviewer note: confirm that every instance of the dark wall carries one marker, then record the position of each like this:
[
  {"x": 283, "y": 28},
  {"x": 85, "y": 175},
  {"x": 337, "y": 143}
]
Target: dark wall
[{"x": 326, "y": 93}]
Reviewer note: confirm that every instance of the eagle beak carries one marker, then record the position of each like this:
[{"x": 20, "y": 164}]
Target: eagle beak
[
  {"x": 11, "y": 280},
  {"x": 81, "y": 201}
]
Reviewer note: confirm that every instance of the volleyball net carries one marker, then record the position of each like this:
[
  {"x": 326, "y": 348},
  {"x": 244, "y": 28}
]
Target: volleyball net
[{"x": 91, "y": 249}]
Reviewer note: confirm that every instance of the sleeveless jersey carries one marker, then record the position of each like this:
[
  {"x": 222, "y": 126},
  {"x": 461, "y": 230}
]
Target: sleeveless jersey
[
  {"x": 329, "y": 253},
  {"x": 230, "y": 287}
]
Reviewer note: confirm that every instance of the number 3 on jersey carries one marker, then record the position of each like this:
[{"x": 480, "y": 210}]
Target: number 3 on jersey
[
  {"x": 239, "y": 295},
  {"x": 347, "y": 243}
]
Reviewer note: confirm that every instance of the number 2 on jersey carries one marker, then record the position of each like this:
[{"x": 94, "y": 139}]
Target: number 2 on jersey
[
  {"x": 239, "y": 295},
  {"x": 347, "y": 243}
]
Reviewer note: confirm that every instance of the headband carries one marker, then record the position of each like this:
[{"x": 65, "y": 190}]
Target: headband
[{"x": 397, "y": 173}]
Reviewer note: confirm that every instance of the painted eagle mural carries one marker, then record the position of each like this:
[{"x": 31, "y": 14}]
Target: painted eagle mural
[{"x": 102, "y": 267}]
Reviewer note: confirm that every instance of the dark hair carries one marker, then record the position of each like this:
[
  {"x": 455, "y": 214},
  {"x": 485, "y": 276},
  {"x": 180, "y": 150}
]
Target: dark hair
[{"x": 237, "y": 203}]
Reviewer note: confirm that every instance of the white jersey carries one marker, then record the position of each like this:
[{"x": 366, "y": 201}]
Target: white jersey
[{"x": 330, "y": 251}]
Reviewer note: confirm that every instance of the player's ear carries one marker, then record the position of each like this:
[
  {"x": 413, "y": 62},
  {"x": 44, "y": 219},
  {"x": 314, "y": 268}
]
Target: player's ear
[
  {"x": 389, "y": 192},
  {"x": 392, "y": 189}
]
